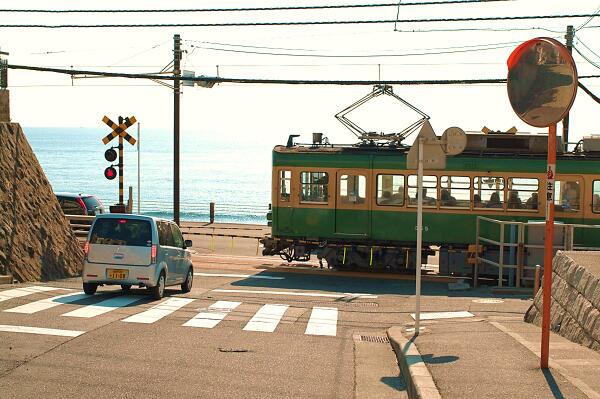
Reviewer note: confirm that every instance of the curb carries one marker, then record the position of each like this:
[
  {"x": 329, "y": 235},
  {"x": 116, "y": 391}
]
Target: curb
[{"x": 418, "y": 380}]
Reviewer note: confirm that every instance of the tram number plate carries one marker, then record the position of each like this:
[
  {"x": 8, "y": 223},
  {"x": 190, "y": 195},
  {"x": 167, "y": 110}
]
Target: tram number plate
[{"x": 117, "y": 274}]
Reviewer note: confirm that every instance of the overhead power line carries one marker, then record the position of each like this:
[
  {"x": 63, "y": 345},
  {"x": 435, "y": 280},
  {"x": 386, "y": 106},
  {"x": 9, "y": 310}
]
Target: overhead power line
[
  {"x": 589, "y": 20},
  {"x": 452, "y": 50},
  {"x": 266, "y": 81},
  {"x": 300, "y": 23},
  {"x": 586, "y": 58},
  {"x": 283, "y": 8}
]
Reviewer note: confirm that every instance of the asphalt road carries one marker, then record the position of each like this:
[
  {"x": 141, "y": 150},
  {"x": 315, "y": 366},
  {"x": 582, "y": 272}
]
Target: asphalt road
[{"x": 249, "y": 328}]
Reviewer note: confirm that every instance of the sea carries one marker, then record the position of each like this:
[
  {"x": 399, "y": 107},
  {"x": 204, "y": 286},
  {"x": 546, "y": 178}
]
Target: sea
[{"x": 231, "y": 170}]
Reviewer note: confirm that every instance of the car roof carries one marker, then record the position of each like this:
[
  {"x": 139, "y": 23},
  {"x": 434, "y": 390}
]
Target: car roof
[
  {"x": 72, "y": 195},
  {"x": 130, "y": 216}
]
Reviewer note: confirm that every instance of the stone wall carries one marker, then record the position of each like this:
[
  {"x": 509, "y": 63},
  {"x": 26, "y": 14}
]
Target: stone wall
[
  {"x": 575, "y": 305},
  {"x": 4, "y": 106},
  {"x": 36, "y": 241}
]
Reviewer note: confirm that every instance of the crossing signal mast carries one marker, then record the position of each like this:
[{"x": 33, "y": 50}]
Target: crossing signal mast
[{"x": 111, "y": 155}]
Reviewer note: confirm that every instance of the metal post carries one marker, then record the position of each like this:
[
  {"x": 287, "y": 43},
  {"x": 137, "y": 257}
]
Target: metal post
[
  {"x": 212, "y": 212},
  {"x": 138, "y": 174},
  {"x": 130, "y": 200},
  {"x": 176, "y": 98},
  {"x": 476, "y": 266},
  {"x": 520, "y": 254},
  {"x": 419, "y": 238},
  {"x": 548, "y": 244},
  {"x": 501, "y": 256},
  {"x": 121, "y": 161},
  {"x": 569, "y": 44}
]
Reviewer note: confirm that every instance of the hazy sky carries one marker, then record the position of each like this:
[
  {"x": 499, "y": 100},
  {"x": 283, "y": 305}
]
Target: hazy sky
[{"x": 271, "y": 112}]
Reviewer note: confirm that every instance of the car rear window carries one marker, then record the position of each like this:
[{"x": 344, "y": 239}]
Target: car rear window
[
  {"x": 91, "y": 203},
  {"x": 70, "y": 206},
  {"x": 128, "y": 232}
]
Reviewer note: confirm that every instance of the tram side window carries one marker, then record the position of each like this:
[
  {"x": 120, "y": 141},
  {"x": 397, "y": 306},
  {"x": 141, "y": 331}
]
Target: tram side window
[
  {"x": 488, "y": 192},
  {"x": 390, "y": 190},
  {"x": 566, "y": 196},
  {"x": 285, "y": 185},
  {"x": 522, "y": 193},
  {"x": 455, "y": 191},
  {"x": 313, "y": 187},
  {"x": 429, "y": 190},
  {"x": 596, "y": 197},
  {"x": 353, "y": 189}
]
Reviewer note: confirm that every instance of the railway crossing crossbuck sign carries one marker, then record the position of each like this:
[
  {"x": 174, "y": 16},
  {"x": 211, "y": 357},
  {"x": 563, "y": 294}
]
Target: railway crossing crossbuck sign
[{"x": 111, "y": 155}]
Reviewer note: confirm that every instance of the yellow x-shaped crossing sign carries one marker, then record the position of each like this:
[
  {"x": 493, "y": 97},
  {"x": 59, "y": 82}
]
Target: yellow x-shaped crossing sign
[{"x": 119, "y": 130}]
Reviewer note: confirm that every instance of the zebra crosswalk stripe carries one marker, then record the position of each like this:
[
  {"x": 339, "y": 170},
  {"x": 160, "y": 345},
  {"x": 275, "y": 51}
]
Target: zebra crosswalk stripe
[
  {"x": 41, "y": 331},
  {"x": 267, "y": 318},
  {"x": 103, "y": 306},
  {"x": 323, "y": 321},
  {"x": 19, "y": 292},
  {"x": 213, "y": 315},
  {"x": 47, "y": 303},
  {"x": 159, "y": 311}
]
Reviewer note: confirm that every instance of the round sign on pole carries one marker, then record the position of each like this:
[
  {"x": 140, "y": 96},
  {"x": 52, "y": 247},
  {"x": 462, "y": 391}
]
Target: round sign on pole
[
  {"x": 542, "y": 81},
  {"x": 455, "y": 140}
]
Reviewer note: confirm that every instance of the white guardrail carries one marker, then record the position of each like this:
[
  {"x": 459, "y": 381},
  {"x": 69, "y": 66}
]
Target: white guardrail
[{"x": 525, "y": 243}]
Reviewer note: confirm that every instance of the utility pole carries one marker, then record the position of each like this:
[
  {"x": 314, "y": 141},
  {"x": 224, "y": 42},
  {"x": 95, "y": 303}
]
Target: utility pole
[
  {"x": 176, "y": 99},
  {"x": 565, "y": 135}
]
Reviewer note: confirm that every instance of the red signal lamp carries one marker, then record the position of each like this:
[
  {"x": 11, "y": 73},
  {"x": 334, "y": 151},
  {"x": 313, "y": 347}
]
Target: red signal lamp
[{"x": 110, "y": 173}]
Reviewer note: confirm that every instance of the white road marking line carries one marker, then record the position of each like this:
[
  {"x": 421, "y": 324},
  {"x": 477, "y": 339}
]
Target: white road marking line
[
  {"x": 267, "y": 318},
  {"x": 323, "y": 321},
  {"x": 315, "y": 294},
  {"x": 104, "y": 307},
  {"x": 48, "y": 303},
  {"x": 41, "y": 331},
  {"x": 159, "y": 311},
  {"x": 214, "y": 314},
  {"x": 19, "y": 292},
  {"x": 443, "y": 315},
  {"x": 239, "y": 276}
]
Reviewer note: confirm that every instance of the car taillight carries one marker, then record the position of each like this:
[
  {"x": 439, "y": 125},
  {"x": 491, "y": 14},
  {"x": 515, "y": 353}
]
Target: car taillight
[
  {"x": 82, "y": 205},
  {"x": 153, "y": 254}
]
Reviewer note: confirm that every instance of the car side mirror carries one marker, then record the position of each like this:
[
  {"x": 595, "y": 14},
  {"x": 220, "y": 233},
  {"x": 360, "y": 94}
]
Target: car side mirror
[{"x": 188, "y": 243}]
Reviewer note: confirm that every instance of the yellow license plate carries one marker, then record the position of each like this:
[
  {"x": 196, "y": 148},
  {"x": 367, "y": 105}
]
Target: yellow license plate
[{"x": 117, "y": 274}]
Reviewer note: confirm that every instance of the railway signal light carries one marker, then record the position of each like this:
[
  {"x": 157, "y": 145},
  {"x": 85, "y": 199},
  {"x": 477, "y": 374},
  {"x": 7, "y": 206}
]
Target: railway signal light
[
  {"x": 110, "y": 173},
  {"x": 110, "y": 155}
]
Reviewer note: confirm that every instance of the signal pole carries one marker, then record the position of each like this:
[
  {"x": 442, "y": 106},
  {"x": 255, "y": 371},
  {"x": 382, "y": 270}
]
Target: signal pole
[
  {"x": 565, "y": 124},
  {"x": 176, "y": 99},
  {"x": 120, "y": 165}
]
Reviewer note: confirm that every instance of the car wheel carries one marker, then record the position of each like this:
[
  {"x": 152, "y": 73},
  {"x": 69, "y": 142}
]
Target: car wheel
[
  {"x": 187, "y": 284},
  {"x": 126, "y": 287},
  {"x": 158, "y": 291},
  {"x": 90, "y": 288}
]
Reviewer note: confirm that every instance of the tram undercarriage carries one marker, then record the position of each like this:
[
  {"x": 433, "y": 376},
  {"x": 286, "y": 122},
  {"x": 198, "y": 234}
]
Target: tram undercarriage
[{"x": 345, "y": 256}]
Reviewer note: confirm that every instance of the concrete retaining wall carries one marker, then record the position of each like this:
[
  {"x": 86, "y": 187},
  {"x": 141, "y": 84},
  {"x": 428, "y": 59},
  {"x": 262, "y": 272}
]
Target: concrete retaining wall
[
  {"x": 36, "y": 241},
  {"x": 575, "y": 306}
]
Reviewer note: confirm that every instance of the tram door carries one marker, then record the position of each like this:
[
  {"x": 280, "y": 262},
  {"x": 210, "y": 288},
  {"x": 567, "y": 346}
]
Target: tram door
[
  {"x": 284, "y": 201},
  {"x": 352, "y": 205}
]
